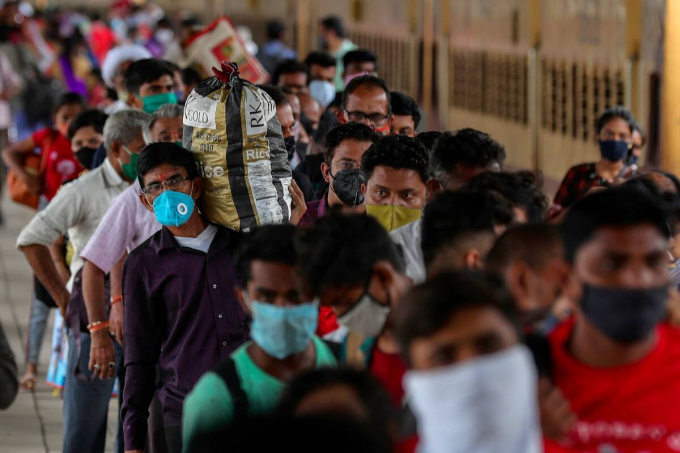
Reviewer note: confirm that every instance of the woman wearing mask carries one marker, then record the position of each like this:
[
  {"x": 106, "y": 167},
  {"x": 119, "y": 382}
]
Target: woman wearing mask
[{"x": 615, "y": 137}]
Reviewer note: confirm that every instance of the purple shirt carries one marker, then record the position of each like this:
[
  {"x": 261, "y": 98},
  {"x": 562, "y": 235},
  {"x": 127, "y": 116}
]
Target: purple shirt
[{"x": 180, "y": 313}]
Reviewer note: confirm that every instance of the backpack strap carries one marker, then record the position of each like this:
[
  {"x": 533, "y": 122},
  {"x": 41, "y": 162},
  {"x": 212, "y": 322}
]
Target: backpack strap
[{"x": 227, "y": 371}]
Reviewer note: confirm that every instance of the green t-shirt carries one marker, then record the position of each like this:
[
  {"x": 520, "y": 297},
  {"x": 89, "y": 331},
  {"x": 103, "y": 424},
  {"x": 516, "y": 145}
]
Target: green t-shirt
[{"x": 210, "y": 406}]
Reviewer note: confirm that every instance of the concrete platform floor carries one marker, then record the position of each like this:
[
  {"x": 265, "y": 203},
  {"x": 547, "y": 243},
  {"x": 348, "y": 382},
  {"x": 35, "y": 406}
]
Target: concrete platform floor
[{"x": 33, "y": 424}]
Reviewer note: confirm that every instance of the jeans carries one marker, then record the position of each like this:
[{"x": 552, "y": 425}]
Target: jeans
[
  {"x": 86, "y": 402},
  {"x": 36, "y": 330}
]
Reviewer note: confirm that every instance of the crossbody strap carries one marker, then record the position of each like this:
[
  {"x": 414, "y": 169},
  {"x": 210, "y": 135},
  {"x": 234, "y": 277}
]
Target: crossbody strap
[{"x": 227, "y": 371}]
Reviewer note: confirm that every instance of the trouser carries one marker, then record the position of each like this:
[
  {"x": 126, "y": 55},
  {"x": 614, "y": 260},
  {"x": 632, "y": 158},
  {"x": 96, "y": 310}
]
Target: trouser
[
  {"x": 173, "y": 436},
  {"x": 36, "y": 330},
  {"x": 155, "y": 438},
  {"x": 86, "y": 400}
]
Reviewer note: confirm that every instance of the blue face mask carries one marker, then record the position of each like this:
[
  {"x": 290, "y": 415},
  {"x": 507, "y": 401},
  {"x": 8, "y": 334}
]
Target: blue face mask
[
  {"x": 173, "y": 209},
  {"x": 614, "y": 150},
  {"x": 283, "y": 331}
]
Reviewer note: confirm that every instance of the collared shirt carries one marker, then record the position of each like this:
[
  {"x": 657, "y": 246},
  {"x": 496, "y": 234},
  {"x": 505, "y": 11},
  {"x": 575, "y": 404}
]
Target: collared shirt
[
  {"x": 315, "y": 210},
  {"x": 180, "y": 313},
  {"x": 125, "y": 226},
  {"x": 577, "y": 182},
  {"x": 77, "y": 209},
  {"x": 409, "y": 237}
]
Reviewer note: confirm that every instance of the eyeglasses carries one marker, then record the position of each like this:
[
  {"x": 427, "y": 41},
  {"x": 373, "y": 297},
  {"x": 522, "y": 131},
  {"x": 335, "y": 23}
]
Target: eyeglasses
[
  {"x": 154, "y": 190},
  {"x": 347, "y": 166},
  {"x": 376, "y": 119}
]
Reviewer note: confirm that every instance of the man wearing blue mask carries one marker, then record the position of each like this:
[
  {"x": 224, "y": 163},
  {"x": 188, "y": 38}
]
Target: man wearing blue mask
[
  {"x": 180, "y": 309},
  {"x": 283, "y": 342},
  {"x": 150, "y": 84}
]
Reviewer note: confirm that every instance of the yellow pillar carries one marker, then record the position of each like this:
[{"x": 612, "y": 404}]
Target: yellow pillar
[{"x": 670, "y": 141}]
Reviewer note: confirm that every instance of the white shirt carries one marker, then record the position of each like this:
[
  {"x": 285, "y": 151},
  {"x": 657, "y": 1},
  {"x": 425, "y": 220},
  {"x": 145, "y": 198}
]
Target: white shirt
[
  {"x": 125, "y": 226},
  {"x": 77, "y": 209},
  {"x": 201, "y": 242},
  {"x": 408, "y": 237}
]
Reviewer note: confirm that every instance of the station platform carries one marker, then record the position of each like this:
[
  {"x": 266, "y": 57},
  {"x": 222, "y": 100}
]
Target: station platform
[{"x": 34, "y": 422}]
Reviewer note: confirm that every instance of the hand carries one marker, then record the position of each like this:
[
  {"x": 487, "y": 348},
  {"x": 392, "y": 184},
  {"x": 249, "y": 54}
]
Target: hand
[
  {"x": 557, "y": 419},
  {"x": 102, "y": 354},
  {"x": 33, "y": 183},
  {"x": 298, "y": 206},
  {"x": 62, "y": 302},
  {"x": 116, "y": 320}
]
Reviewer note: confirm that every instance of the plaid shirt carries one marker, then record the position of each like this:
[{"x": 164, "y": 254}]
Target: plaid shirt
[
  {"x": 578, "y": 181},
  {"x": 315, "y": 210}
]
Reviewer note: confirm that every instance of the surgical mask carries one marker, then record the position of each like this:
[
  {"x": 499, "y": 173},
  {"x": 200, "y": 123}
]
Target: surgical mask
[
  {"x": 624, "y": 315},
  {"x": 179, "y": 143},
  {"x": 484, "y": 405},
  {"x": 85, "y": 155},
  {"x": 283, "y": 331},
  {"x": 392, "y": 217},
  {"x": 350, "y": 77},
  {"x": 614, "y": 150},
  {"x": 173, "y": 209},
  {"x": 322, "y": 91},
  {"x": 290, "y": 147},
  {"x": 632, "y": 159},
  {"x": 130, "y": 169},
  {"x": 164, "y": 36},
  {"x": 296, "y": 131},
  {"x": 154, "y": 101},
  {"x": 367, "y": 317},
  {"x": 347, "y": 186}
]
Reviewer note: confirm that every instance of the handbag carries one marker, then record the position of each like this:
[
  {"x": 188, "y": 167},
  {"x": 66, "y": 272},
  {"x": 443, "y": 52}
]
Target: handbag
[{"x": 33, "y": 165}]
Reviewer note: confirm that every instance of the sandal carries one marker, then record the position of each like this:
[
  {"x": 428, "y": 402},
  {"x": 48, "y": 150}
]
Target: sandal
[{"x": 28, "y": 381}]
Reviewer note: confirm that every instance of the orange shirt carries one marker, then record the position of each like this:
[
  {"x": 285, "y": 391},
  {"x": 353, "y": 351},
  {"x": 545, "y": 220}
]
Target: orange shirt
[{"x": 633, "y": 408}]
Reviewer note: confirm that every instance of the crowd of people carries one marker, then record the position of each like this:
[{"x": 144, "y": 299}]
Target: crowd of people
[{"x": 420, "y": 297}]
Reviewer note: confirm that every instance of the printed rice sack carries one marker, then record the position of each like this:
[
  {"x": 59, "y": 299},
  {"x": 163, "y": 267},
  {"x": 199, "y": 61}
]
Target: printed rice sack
[{"x": 231, "y": 128}]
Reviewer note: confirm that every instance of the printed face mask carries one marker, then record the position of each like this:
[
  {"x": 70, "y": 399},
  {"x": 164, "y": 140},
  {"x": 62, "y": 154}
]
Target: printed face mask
[
  {"x": 614, "y": 150},
  {"x": 392, "y": 217},
  {"x": 173, "y": 209},
  {"x": 347, "y": 186},
  {"x": 130, "y": 169},
  {"x": 283, "y": 331},
  {"x": 624, "y": 315},
  {"x": 488, "y": 404},
  {"x": 154, "y": 102}
]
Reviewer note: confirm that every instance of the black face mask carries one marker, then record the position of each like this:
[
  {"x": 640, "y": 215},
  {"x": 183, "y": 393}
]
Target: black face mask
[
  {"x": 85, "y": 156},
  {"x": 347, "y": 186},
  {"x": 624, "y": 315},
  {"x": 290, "y": 147}
]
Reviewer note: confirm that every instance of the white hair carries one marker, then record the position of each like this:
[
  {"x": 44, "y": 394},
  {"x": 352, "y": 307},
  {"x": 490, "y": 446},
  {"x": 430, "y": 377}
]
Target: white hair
[
  {"x": 164, "y": 111},
  {"x": 123, "y": 127}
]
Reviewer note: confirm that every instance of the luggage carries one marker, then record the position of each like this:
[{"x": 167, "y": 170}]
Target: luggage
[{"x": 231, "y": 128}]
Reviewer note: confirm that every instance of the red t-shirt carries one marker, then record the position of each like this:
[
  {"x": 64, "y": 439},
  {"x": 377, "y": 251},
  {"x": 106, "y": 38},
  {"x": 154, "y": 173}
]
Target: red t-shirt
[
  {"x": 389, "y": 369},
  {"x": 627, "y": 409},
  {"x": 61, "y": 164}
]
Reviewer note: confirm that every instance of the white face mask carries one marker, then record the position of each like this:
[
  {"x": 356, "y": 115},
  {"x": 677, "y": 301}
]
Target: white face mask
[
  {"x": 164, "y": 36},
  {"x": 367, "y": 317},
  {"x": 487, "y": 405},
  {"x": 322, "y": 91}
]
